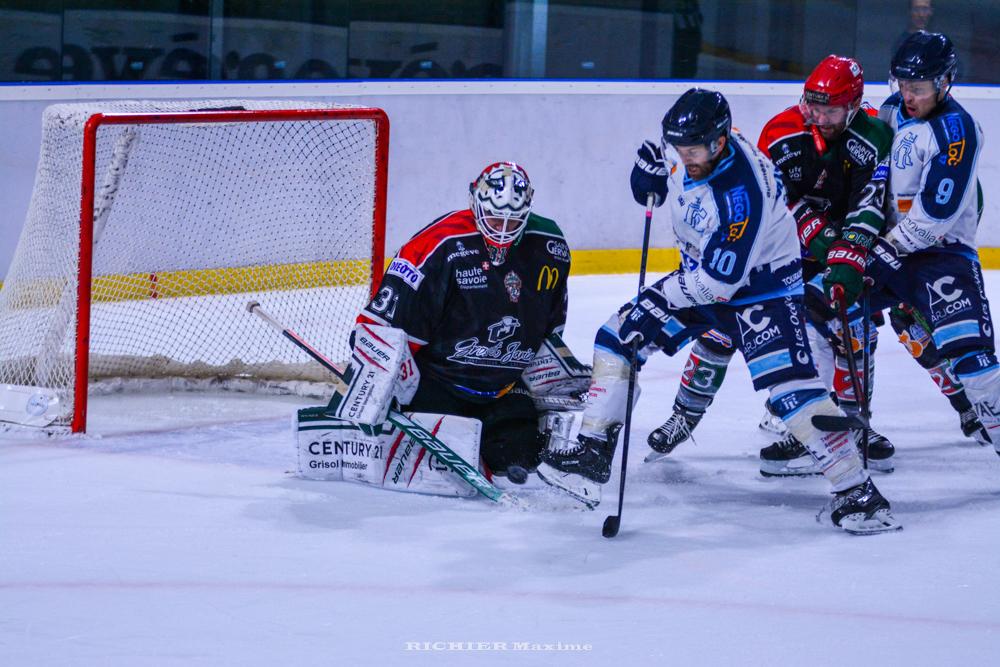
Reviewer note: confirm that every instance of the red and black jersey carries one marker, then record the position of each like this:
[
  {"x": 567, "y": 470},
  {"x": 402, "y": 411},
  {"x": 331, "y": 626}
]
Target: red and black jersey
[
  {"x": 830, "y": 177},
  {"x": 472, "y": 325}
]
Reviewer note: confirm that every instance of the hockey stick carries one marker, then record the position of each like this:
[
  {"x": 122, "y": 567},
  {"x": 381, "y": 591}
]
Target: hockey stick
[
  {"x": 866, "y": 412},
  {"x": 837, "y": 423},
  {"x": 614, "y": 521},
  {"x": 417, "y": 433}
]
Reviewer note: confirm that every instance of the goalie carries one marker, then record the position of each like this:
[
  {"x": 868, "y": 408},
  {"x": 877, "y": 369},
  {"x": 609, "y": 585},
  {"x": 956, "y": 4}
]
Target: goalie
[{"x": 466, "y": 323}]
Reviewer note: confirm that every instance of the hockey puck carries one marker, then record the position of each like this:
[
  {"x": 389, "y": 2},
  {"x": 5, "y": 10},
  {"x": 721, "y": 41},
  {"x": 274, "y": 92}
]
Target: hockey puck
[{"x": 517, "y": 474}]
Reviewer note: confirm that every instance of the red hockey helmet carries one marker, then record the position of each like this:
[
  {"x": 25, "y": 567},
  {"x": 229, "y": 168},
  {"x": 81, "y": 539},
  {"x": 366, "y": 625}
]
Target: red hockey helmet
[{"x": 836, "y": 82}]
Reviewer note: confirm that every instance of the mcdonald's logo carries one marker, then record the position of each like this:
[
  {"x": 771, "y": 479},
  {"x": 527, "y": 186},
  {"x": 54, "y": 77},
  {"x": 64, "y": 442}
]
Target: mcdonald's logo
[{"x": 547, "y": 277}]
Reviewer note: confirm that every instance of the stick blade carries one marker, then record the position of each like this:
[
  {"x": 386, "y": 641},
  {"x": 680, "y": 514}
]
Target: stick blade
[
  {"x": 611, "y": 525},
  {"x": 835, "y": 423}
]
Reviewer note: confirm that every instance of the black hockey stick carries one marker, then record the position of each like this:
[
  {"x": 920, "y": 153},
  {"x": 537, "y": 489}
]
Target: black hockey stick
[
  {"x": 614, "y": 521},
  {"x": 833, "y": 422},
  {"x": 865, "y": 406},
  {"x": 415, "y": 431}
]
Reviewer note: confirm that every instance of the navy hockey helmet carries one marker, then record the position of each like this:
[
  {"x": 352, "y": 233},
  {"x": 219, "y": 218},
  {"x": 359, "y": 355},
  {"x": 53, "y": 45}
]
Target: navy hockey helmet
[
  {"x": 925, "y": 56},
  {"x": 699, "y": 117}
]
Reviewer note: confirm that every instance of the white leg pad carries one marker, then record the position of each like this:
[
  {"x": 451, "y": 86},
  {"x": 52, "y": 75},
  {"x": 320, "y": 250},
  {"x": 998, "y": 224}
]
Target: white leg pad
[{"x": 333, "y": 449}]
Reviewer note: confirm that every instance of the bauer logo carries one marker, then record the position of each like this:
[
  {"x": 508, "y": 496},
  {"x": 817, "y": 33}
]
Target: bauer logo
[{"x": 410, "y": 274}]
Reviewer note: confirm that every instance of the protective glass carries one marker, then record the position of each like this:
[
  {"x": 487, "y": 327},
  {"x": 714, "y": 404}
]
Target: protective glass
[
  {"x": 917, "y": 88},
  {"x": 823, "y": 115}
]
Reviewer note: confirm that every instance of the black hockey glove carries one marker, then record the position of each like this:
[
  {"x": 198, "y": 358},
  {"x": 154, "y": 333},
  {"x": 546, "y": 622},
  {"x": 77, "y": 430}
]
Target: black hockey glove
[
  {"x": 649, "y": 175},
  {"x": 883, "y": 262},
  {"x": 645, "y": 320}
]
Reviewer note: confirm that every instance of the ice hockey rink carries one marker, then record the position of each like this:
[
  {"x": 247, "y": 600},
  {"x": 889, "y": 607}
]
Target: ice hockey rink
[{"x": 175, "y": 534}]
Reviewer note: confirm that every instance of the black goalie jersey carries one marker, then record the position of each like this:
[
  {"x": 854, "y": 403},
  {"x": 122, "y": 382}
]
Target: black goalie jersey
[{"x": 474, "y": 326}]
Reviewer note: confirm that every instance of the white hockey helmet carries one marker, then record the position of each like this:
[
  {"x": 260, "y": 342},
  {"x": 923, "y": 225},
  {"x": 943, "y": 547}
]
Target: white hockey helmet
[{"x": 500, "y": 199}]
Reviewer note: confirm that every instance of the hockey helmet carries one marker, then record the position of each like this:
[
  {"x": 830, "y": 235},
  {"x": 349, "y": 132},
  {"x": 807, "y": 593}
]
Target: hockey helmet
[
  {"x": 837, "y": 81},
  {"x": 500, "y": 199},
  {"x": 925, "y": 56},
  {"x": 699, "y": 117}
]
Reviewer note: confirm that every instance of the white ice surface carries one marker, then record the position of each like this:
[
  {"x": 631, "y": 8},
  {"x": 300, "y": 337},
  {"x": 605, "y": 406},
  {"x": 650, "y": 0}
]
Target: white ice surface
[{"x": 174, "y": 535}]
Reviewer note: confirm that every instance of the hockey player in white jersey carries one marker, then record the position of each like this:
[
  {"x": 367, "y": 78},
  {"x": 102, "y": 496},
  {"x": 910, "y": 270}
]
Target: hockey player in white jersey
[
  {"x": 741, "y": 275},
  {"x": 928, "y": 257}
]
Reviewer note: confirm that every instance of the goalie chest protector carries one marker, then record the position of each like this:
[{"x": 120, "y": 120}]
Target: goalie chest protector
[{"x": 478, "y": 325}]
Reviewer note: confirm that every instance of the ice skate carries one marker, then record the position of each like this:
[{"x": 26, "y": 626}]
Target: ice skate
[
  {"x": 860, "y": 510},
  {"x": 788, "y": 458},
  {"x": 880, "y": 450},
  {"x": 579, "y": 471},
  {"x": 973, "y": 428},
  {"x": 665, "y": 438}
]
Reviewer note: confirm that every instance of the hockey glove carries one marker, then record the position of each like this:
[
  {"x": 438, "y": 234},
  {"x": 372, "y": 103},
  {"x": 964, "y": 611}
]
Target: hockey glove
[
  {"x": 816, "y": 233},
  {"x": 883, "y": 262},
  {"x": 646, "y": 318},
  {"x": 649, "y": 175},
  {"x": 845, "y": 271}
]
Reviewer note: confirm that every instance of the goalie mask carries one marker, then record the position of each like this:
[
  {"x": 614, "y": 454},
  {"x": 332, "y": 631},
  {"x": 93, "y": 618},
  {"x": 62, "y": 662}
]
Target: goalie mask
[{"x": 500, "y": 200}]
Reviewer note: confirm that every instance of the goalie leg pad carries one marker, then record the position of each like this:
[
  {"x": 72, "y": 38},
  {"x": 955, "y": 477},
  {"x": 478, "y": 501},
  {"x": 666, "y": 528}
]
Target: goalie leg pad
[
  {"x": 797, "y": 402},
  {"x": 332, "y": 449}
]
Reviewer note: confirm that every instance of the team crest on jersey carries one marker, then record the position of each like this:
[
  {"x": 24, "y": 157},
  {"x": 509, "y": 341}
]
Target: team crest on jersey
[
  {"x": 504, "y": 329},
  {"x": 902, "y": 157},
  {"x": 696, "y": 217},
  {"x": 512, "y": 283}
]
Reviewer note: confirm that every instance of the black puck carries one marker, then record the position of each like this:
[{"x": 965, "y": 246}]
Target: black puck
[{"x": 517, "y": 474}]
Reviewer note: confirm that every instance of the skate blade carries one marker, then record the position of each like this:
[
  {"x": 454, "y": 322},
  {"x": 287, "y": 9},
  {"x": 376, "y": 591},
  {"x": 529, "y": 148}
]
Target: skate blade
[
  {"x": 804, "y": 466},
  {"x": 654, "y": 456},
  {"x": 884, "y": 467},
  {"x": 577, "y": 486},
  {"x": 856, "y": 524}
]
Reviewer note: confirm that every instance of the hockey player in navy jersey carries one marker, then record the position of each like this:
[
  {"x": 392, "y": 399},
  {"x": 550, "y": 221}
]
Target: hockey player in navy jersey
[
  {"x": 741, "y": 275},
  {"x": 928, "y": 257}
]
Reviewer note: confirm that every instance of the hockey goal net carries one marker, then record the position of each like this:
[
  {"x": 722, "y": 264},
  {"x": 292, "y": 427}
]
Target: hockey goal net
[{"x": 153, "y": 224}]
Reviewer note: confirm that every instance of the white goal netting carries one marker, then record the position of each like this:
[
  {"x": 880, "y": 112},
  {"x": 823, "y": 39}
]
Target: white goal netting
[{"x": 192, "y": 221}]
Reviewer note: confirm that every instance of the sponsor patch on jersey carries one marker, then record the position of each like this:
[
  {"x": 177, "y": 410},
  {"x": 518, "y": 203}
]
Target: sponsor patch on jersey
[
  {"x": 953, "y": 128},
  {"x": 881, "y": 172},
  {"x": 738, "y": 203},
  {"x": 558, "y": 249},
  {"x": 548, "y": 278},
  {"x": 860, "y": 151},
  {"x": 410, "y": 274},
  {"x": 461, "y": 251},
  {"x": 471, "y": 278}
]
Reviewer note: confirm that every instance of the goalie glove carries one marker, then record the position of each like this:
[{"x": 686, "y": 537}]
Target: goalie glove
[
  {"x": 556, "y": 379},
  {"x": 382, "y": 370}
]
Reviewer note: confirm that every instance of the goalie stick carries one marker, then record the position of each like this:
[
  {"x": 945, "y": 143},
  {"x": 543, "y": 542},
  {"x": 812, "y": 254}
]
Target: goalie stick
[{"x": 415, "y": 431}]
